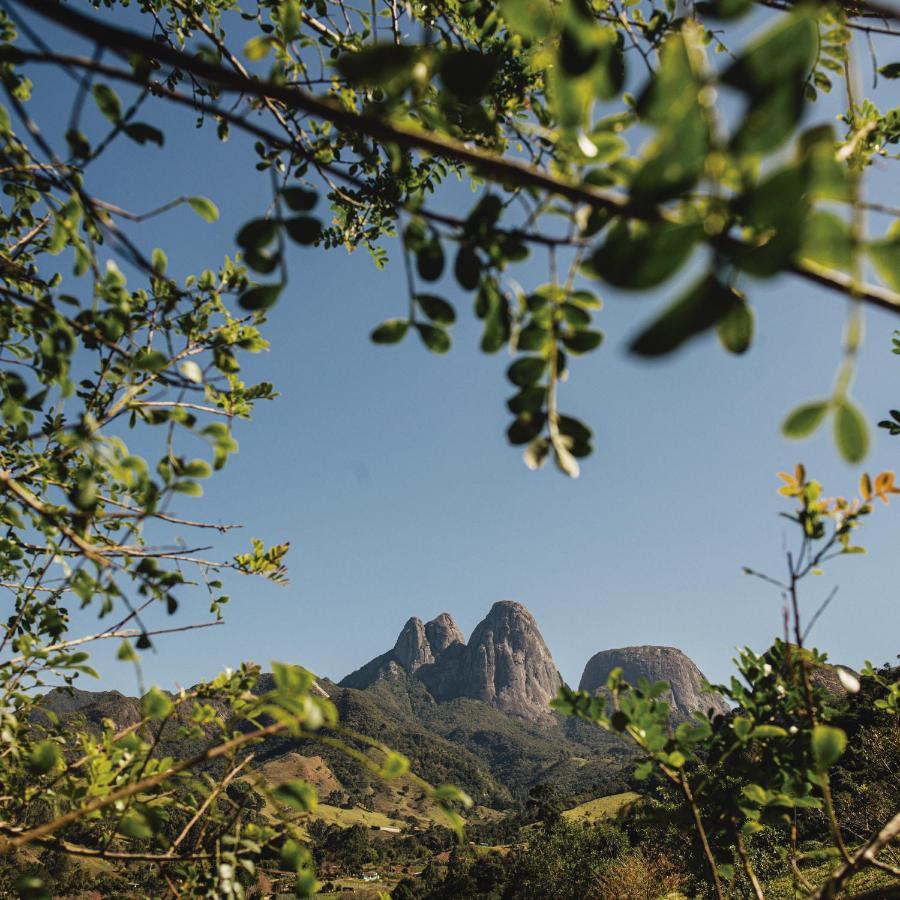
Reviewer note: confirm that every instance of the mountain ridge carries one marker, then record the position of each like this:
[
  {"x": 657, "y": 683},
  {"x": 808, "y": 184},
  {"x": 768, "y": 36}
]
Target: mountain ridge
[{"x": 505, "y": 663}]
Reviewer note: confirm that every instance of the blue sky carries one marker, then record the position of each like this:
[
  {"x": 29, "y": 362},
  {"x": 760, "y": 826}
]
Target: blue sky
[{"x": 388, "y": 469}]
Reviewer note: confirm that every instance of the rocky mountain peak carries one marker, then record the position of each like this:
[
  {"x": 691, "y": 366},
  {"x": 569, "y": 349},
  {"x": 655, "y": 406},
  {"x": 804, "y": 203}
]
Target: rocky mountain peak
[
  {"x": 507, "y": 664},
  {"x": 441, "y": 632},
  {"x": 655, "y": 664},
  {"x": 412, "y": 649}
]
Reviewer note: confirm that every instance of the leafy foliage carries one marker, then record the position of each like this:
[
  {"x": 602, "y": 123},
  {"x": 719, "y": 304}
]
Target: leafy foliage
[{"x": 738, "y": 776}]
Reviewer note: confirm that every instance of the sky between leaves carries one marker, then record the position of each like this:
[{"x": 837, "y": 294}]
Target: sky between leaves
[{"x": 388, "y": 470}]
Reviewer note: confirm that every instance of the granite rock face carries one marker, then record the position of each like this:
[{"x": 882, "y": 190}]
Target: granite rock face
[
  {"x": 412, "y": 649},
  {"x": 442, "y": 632},
  {"x": 506, "y": 663},
  {"x": 655, "y": 664}
]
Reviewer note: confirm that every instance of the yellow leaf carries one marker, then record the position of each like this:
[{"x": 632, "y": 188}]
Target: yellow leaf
[{"x": 865, "y": 485}]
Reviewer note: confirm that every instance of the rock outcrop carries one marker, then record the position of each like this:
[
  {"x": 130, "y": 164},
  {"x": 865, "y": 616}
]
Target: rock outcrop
[
  {"x": 442, "y": 632},
  {"x": 506, "y": 663},
  {"x": 417, "y": 647},
  {"x": 413, "y": 649},
  {"x": 655, "y": 664}
]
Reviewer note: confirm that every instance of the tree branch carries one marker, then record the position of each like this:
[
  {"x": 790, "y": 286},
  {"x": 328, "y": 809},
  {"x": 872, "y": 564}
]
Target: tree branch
[
  {"x": 859, "y": 860},
  {"x": 503, "y": 169}
]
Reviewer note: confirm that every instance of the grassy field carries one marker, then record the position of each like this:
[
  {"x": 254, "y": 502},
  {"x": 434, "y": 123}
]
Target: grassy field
[
  {"x": 333, "y": 815},
  {"x": 602, "y": 808}
]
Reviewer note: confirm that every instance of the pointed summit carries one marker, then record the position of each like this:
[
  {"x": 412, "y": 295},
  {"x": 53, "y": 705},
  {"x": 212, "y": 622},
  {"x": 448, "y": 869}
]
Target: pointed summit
[
  {"x": 441, "y": 632},
  {"x": 412, "y": 649},
  {"x": 507, "y": 664}
]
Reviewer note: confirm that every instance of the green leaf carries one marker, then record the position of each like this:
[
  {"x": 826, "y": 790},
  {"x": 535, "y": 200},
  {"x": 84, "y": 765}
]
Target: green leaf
[
  {"x": 136, "y": 825},
  {"x": 530, "y": 18},
  {"x": 155, "y": 704},
  {"x": 304, "y": 230},
  {"x": 570, "y": 98},
  {"x": 204, "y": 208},
  {"x": 891, "y": 70},
  {"x": 724, "y": 9},
  {"x": 885, "y": 256},
  {"x": 772, "y": 72},
  {"x": 257, "y": 233},
  {"x": 260, "y": 297},
  {"x": 379, "y": 65},
  {"x": 126, "y": 652},
  {"x": 768, "y": 731},
  {"x": 640, "y": 255},
  {"x": 108, "y": 102},
  {"x": 582, "y": 341},
  {"x": 299, "y": 199},
  {"x": 467, "y": 268},
  {"x": 390, "y": 332},
  {"x": 696, "y": 311},
  {"x": 395, "y": 765},
  {"x": 525, "y": 428},
  {"x": 735, "y": 328},
  {"x": 297, "y": 795},
  {"x": 527, "y": 371},
  {"x": 851, "y": 433},
  {"x": 141, "y": 133},
  {"x": 529, "y": 399},
  {"x": 436, "y": 308},
  {"x": 435, "y": 339},
  {"x": 257, "y": 48},
  {"x": 826, "y": 240},
  {"x": 430, "y": 260},
  {"x": 159, "y": 261},
  {"x": 43, "y": 757},
  {"x": 805, "y": 419},
  {"x": 784, "y": 52},
  {"x": 449, "y": 793},
  {"x": 770, "y": 118},
  {"x": 149, "y": 361},
  {"x": 828, "y": 743},
  {"x": 30, "y": 887},
  {"x": 468, "y": 74},
  {"x": 674, "y": 159}
]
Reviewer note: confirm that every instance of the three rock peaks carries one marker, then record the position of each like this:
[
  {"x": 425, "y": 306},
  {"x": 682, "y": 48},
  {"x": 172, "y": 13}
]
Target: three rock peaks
[{"x": 507, "y": 665}]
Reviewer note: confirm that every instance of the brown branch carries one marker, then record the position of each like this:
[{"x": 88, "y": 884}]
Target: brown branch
[
  {"x": 682, "y": 781},
  {"x": 748, "y": 866},
  {"x": 166, "y": 517},
  {"x": 47, "y": 513},
  {"x": 143, "y": 785},
  {"x": 180, "y": 404},
  {"x": 859, "y": 860},
  {"x": 206, "y": 803},
  {"x": 106, "y": 635},
  {"x": 503, "y": 169},
  {"x": 77, "y": 850}
]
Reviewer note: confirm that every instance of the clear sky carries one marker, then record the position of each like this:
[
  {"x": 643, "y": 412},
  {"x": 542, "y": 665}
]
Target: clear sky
[{"x": 388, "y": 470}]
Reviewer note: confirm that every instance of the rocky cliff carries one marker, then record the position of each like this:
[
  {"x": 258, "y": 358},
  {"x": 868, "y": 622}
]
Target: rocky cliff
[
  {"x": 505, "y": 664},
  {"x": 655, "y": 664}
]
